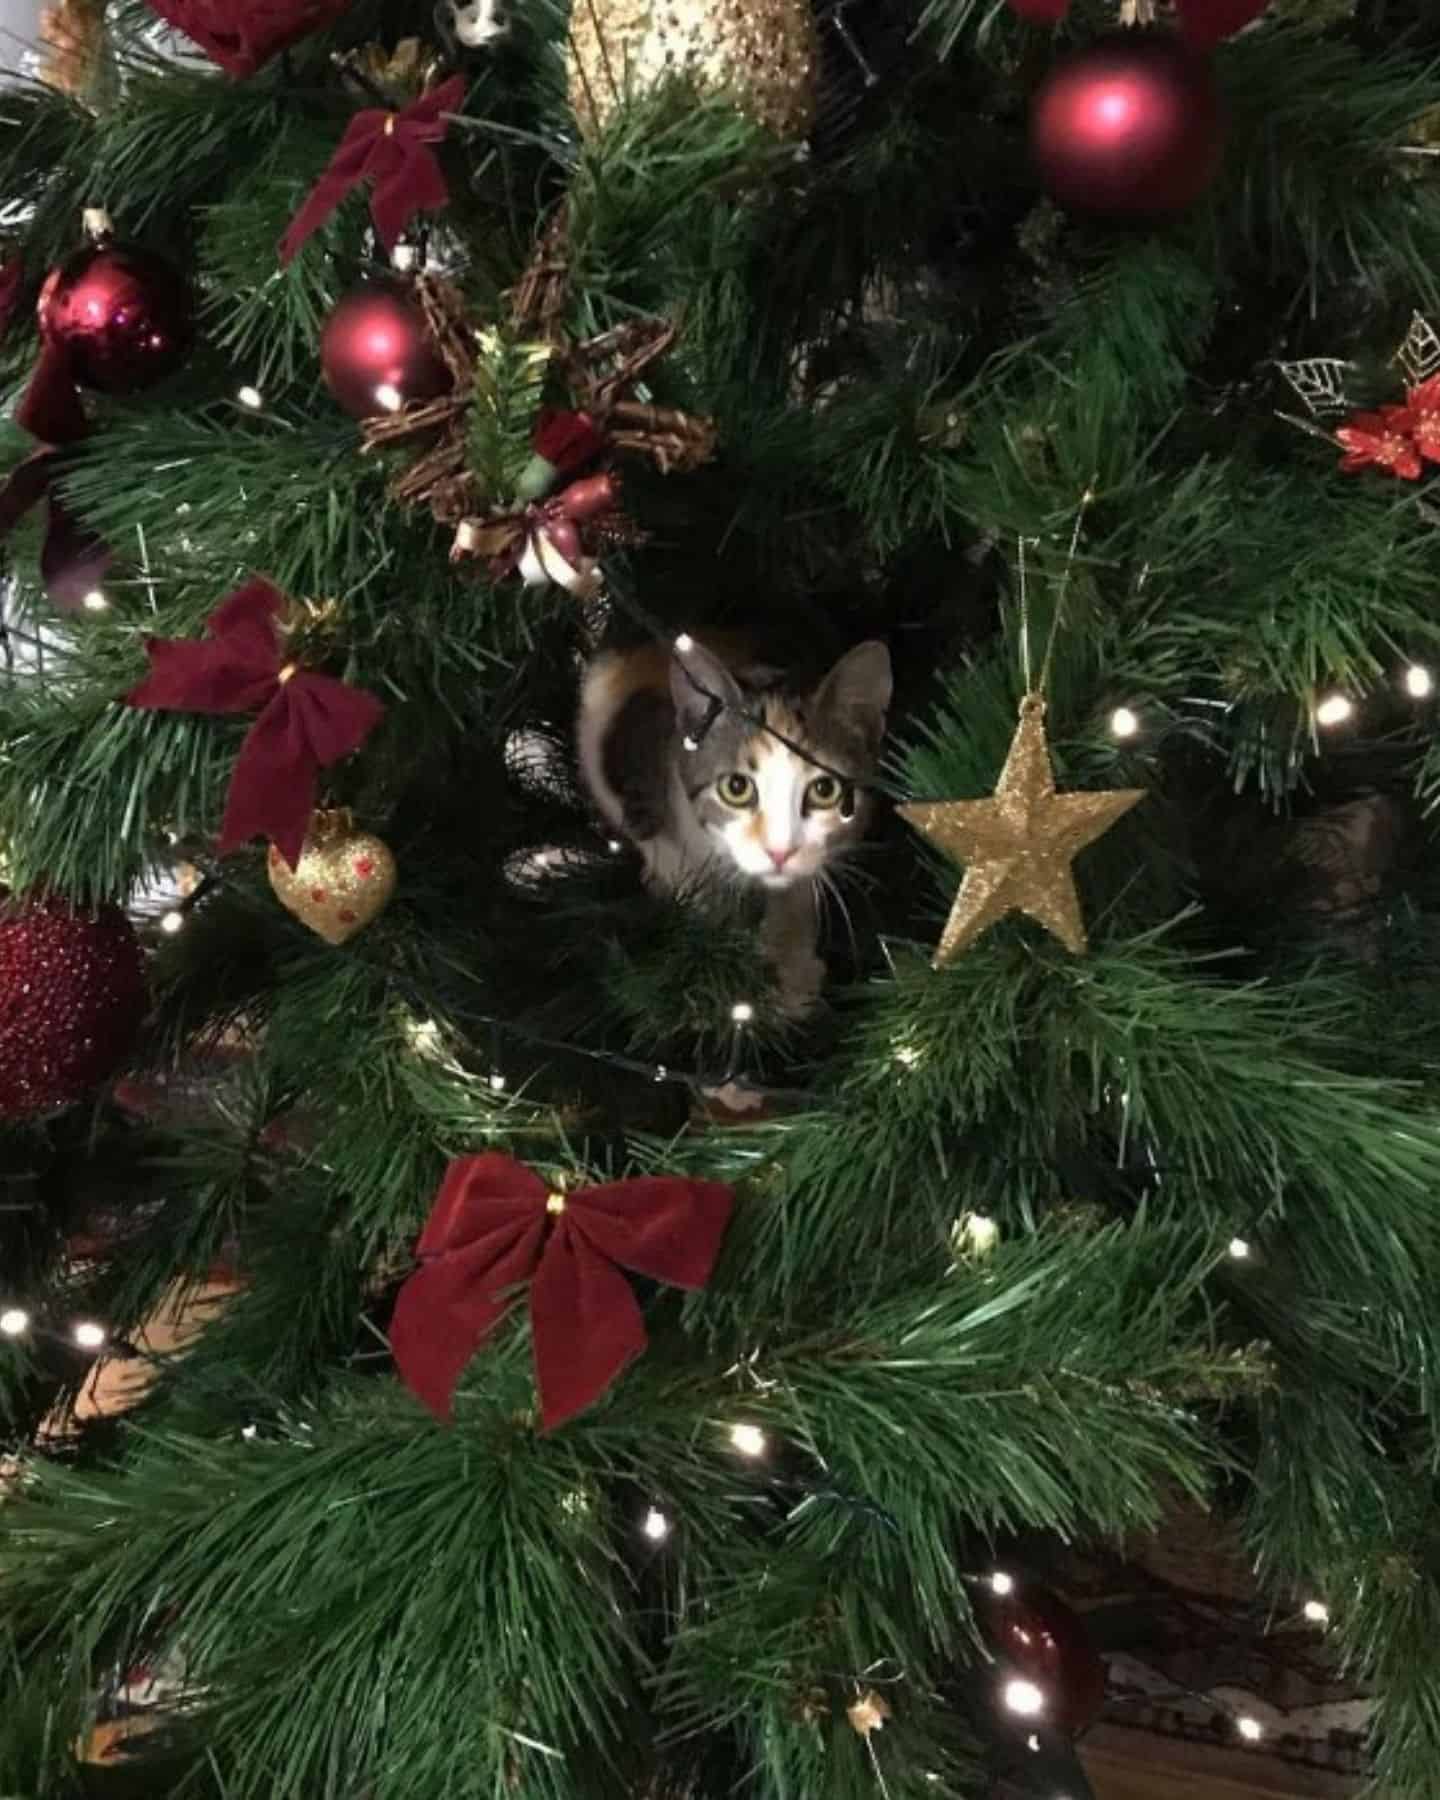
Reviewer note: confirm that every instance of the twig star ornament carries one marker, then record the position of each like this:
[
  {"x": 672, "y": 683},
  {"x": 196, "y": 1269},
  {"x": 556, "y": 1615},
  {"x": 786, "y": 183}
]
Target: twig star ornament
[{"x": 1018, "y": 846}]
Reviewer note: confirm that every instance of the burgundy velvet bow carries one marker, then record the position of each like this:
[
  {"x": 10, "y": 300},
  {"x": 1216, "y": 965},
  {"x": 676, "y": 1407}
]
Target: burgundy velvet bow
[
  {"x": 496, "y": 1224},
  {"x": 306, "y": 721},
  {"x": 240, "y": 35},
  {"x": 392, "y": 151},
  {"x": 1203, "y": 23}
]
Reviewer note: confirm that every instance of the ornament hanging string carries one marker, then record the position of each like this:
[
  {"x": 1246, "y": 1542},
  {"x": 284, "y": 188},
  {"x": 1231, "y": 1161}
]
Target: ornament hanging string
[{"x": 1034, "y": 689}]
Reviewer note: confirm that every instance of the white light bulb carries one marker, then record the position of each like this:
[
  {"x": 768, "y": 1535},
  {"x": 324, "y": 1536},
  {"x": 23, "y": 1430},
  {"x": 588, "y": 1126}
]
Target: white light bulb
[
  {"x": 172, "y": 922},
  {"x": 976, "y": 1234},
  {"x": 1419, "y": 682},
  {"x": 614, "y": 846},
  {"x": 89, "y": 1335},
  {"x": 497, "y": 1083},
  {"x": 1250, "y": 1729},
  {"x": 749, "y": 1440},
  {"x": 690, "y": 743},
  {"x": 403, "y": 257},
  {"x": 1317, "y": 1612},
  {"x": 1032, "y": 1743},
  {"x": 1002, "y": 1584},
  {"x": 684, "y": 644},
  {"x": 251, "y": 397},
  {"x": 1334, "y": 709},
  {"x": 95, "y": 601},
  {"x": 1238, "y": 1249},
  {"x": 1025, "y": 1698},
  {"x": 742, "y": 1012},
  {"x": 388, "y": 396},
  {"x": 14, "y": 1320},
  {"x": 655, "y": 1525},
  {"x": 1123, "y": 722}
]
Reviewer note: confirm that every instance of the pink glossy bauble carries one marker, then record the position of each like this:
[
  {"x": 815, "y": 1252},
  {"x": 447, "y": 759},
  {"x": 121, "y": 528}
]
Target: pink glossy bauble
[
  {"x": 1040, "y": 1639},
  {"x": 1133, "y": 125},
  {"x": 124, "y": 317},
  {"x": 376, "y": 353}
]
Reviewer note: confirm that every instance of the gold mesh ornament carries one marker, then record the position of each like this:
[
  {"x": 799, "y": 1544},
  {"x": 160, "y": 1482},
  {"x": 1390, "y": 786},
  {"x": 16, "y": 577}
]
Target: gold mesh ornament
[{"x": 762, "y": 54}]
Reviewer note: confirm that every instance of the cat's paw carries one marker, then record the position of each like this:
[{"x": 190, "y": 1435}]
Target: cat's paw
[{"x": 801, "y": 979}]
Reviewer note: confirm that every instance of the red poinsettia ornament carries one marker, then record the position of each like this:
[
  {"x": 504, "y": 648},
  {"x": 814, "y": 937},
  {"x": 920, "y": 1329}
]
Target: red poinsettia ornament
[
  {"x": 1423, "y": 405},
  {"x": 1381, "y": 440},
  {"x": 240, "y": 35},
  {"x": 390, "y": 150},
  {"x": 1203, "y": 23},
  {"x": 306, "y": 721},
  {"x": 496, "y": 1225}
]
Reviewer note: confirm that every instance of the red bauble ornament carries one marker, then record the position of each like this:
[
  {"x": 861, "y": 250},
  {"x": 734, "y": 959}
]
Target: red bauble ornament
[
  {"x": 1037, "y": 1638},
  {"x": 1131, "y": 126},
  {"x": 72, "y": 994},
  {"x": 122, "y": 316},
  {"x": 376, "y": 352},
  {"x": 240, "y": 35}
]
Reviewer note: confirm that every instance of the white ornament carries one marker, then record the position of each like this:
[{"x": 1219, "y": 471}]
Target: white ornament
[{"x": 478, "y": 23}]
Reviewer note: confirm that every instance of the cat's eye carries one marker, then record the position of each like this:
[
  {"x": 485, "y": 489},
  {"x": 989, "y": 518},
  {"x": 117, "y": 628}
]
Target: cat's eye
[
  {"x": 824, "y": 792},
  {"x": 736, "y": 790}
]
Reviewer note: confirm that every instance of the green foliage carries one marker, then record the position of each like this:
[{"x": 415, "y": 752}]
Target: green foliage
[{"x": 948, "y": 417}]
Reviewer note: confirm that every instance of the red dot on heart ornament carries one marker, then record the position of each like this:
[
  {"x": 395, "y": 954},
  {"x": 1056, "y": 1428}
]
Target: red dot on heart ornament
[
  {"x": 364, "y": 867},
  {"x": 318, "y": 894},
  {"x": 347, "y": 917}
]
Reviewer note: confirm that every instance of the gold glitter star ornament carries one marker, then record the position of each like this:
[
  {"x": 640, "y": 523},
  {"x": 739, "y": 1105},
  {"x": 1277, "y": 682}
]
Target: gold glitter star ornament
[
  {"x": 1018, "y": 846},
  {"x": 763, "y": 54}
]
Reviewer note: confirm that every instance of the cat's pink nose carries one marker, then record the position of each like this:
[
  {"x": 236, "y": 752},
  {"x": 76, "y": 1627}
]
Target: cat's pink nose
[{"x": 780, "y": 857}]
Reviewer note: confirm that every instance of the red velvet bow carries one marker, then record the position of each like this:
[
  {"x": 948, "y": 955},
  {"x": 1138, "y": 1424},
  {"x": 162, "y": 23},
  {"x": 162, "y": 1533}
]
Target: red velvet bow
[
  {"x": 240, "y": 35},
  {"x": 392, "y": 151},
  {"x": 1203, "y": 23},
  {"x": 306, "y": 721},
  {"x": 496, "y": 1224}
]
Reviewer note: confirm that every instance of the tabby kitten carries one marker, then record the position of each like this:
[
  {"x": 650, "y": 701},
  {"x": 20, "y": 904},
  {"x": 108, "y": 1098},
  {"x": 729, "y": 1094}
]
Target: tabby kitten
[{"x": 716, "y": 799}]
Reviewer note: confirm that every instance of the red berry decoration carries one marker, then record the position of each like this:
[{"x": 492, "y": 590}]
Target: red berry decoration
[
  {"x": 1132, "y": 126},
  {"x": 72, "y": 994},
  {"x": 376, "y": 351},
  {"x": 122, "y": 316},
  {"x": 1039, "y": 1640}
]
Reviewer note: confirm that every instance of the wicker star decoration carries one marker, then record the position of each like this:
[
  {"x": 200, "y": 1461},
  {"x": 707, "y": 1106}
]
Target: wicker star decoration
[{"x": 1018, "y": 846}]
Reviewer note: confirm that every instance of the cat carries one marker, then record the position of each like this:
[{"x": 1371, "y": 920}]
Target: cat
[{"x": 708, "y": 797}]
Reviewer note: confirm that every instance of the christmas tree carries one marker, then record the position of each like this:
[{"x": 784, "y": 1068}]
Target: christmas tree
[{"x": 715, "y": 764}]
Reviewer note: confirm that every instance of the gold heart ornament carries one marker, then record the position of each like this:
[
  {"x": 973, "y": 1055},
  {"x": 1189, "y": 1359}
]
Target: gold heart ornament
[{"x": 343, "y": 880}]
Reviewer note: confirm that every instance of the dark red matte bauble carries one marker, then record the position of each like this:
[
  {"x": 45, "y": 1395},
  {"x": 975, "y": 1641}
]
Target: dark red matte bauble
[
  {"x": 1131, "y": 126},
  {"x": 124, "y": 317},
  {"x": 1038, "y": 1638},
  {"x": 72, "y": 995},
  {"x": 377, "y": 354}
]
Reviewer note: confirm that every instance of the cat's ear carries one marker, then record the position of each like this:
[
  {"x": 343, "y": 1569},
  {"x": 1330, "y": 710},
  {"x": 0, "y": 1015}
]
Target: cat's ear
[
  {"x": 697, "y": 680},
  {"x": 855, "y": 695}
]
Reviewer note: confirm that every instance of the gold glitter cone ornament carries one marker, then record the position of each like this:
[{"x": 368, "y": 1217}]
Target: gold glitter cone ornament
[
  {"x": 763, "y": 54},
  {"x": 343, "y": 880},
  {"x": 1018, "y": 846}
]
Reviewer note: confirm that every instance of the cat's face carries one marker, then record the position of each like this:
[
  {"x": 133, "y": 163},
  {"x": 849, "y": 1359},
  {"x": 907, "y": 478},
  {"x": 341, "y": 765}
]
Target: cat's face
[{"x": 773, "y": 816}]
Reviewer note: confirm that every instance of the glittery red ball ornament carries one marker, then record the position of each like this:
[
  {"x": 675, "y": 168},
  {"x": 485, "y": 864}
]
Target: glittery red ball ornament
[
  {"x": 124, "y": 317},
  {"x": 1131, "y": 126},
  {"x": 1038, "y": 1639},
  {"x": 72, "y": 994},
  {"x": 376, "y": 352}
]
